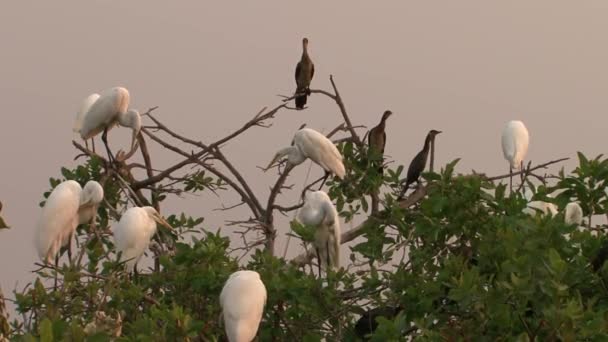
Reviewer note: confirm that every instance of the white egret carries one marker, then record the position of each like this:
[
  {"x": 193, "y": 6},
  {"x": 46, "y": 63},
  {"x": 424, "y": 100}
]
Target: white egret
[
  {"x": 134, "y": 231},
  {"x": 515, "y": 141},
  {"x": 109, "y": 109},
  {"x": 544, "y": 207},
  {"x": 573, "y": 214},
  {"x": 308, "y": 143},
  {"x": 67, "y": 206},
  {"x": 84, "y": 109},
  {"x": 319, "y": 211},
  {"x": 242, "y": 299}
]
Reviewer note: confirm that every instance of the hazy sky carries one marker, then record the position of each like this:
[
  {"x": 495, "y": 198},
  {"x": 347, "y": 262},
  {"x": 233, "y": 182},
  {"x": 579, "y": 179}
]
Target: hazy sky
[{"x": 464, "y": 67}]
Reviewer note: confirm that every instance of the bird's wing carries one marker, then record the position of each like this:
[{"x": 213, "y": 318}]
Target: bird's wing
[
  {"x": 84, "y": 109},
  {"x": 298, "y": 70},
  {"x": 59, "y": 218},
  {"x": 321, "y": 150},
  {"x": 383, "y": 143},
  {"x": 312, "y": 70}
]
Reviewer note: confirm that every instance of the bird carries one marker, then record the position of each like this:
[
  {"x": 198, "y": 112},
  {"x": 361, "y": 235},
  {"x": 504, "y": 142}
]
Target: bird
[
  {"x": 305, "y": 70},
  {"x": 83, "y": 110},
  {"x": 133, "y": 233},
  {"x": 242, "y": 300},
  {"x": 308, "y": 143},
  {"x": 67, "y": 206},
  {"x": 319, "y": 211},
  {"x": 540, "y": 206},
  {"x": 515, "y": 141},
  {"x": 376, "y": 139},
  {"x": 367, "y": 323},
  {"x": 418, "y": 164},
  {"x": 109, "y": 109},
  {"x": 573, "y": 214}
]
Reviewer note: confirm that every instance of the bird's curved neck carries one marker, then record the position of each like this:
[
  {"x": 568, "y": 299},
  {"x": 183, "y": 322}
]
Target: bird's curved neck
[
  {"x": 427, "y": 142},
  {"x": 123, "y": 119},
  {"x": 305, "y": 52}
]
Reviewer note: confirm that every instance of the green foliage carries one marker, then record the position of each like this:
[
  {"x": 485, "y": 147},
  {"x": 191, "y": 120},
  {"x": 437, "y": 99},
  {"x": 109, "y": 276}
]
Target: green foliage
[{"x": 464, "y": 263}]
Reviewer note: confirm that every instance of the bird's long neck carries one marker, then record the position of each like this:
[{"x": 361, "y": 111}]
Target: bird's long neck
[
  {"x": 305, "y": 52},
  {"x": 123, "y": 119},
  {"x": 427, "y": 143}
]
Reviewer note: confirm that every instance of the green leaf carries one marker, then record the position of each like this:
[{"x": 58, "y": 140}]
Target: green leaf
[{"x": 46, "y": 330}]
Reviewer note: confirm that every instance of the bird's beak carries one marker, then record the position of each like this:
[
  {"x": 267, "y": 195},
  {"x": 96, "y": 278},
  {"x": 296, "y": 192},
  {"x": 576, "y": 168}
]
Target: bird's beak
[
  {"x": 439, "y": 132},
  {"x": 164, "y": 222},
  {"x": 134, "y": 140},
  {"x": 274, "y": 160}
]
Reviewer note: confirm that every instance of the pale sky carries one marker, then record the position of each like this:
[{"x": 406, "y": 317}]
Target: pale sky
[{"x": 464, "y": 67}]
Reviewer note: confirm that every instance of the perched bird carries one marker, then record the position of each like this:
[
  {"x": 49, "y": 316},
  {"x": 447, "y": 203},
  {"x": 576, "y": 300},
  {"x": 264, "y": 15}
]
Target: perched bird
[
  {"x": 134, "y": 231},
  {"x": 418, "y": 164},
  {"x": 308, "y": 143},
  {"x": 84, "y": 109},
  {"x": 67, "y": 206},
  {"x": 367, "y": 324},
  {"x": 540, "y": 206},
  {"x": 242, "y": 300},
  {"x": 573, "y": 214},
  {"x": 376, "y": 138},
  {"x": 305, "y": 70},
  {"x": 515, "y": 140},
  {"x": 319, "y": 211},
  {"x": 106, "y": 110}
]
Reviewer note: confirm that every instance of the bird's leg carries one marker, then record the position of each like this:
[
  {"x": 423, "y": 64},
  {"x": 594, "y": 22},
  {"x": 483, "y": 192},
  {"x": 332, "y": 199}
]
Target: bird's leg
[
  {"x": 104, "y": 138},
  {"x": 135, "y": 273},
  {"x": 318, "y": 260},
  {"x": 511, "y": 178},
  {"x": 93, "y": 144},
  {"x": 328, "y": 257},
  {"x": 70, "y": 248},
  {"x": 56, "y": 269},
  {"x": 307, "y": 91}
]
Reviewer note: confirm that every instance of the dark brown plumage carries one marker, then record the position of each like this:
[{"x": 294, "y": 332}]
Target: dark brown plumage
[
  {"x": 418, "y": 164},
  {"x": 376, "y": 139},
  {"x": 305, "y": 70},
  {"x": 367, "y": 324}
]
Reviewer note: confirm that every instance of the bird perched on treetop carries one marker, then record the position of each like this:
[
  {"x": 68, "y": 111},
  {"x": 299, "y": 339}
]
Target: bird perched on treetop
[
  {"x": 319, "y": 211},
  {"x": 67, "y": 206},
  {"x": 418, "y": 164},
  {"x": 376, "y": 138},
  {"x": 100, "y": 112},
  {"x": 242, "y": 300},
  {"x": 515, "y": 141},
  {"x": 308, "y": 143},
  {"x": 305, "y": 70}
]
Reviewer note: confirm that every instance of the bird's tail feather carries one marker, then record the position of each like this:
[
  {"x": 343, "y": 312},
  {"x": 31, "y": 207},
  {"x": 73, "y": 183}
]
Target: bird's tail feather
[{"x": 301, "y": 101}]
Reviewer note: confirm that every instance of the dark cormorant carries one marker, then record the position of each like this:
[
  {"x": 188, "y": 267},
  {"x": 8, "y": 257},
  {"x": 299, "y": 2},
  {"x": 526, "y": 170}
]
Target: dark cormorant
[
  {"x": 418, "y": 164},
  {"x": 305, "y": 70},
  {"x": 377, "y": 138}
]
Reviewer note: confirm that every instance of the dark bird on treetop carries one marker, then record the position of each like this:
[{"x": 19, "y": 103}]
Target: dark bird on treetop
[
  {"x": 305, "y": 70},
  {"x": 367, "y": 324},
  {"x": 376, "y": 138},
  {"x": 418, "y": 164}
]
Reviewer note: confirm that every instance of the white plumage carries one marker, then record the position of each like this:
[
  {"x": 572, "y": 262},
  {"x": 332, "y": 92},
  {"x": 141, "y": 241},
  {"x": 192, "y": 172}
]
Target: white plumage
[
  {"x": 544, "y": 207},
  {"x": 103, "y": 111},
  {"x": 242, "y": 299},
  {"x": 84, "y": 109},
  {"x": 515, "y": 140},
  {"x": 319, "y": 211},
  {"x": 134, "y": 231},
  {"x": 67, "y": 206},
  {"x": 308, "y": 143},
  {"x": 573, "y": 214}
]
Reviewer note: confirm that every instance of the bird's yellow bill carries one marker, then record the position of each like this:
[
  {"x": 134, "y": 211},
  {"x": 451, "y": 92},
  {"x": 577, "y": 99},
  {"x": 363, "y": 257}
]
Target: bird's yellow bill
[
  {"x": 272, "y": 162},
  {"x": 163, "y": 222}
]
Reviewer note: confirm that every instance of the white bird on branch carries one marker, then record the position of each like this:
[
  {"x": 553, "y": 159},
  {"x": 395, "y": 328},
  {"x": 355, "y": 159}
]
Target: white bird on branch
[
  {"x": 100, "y": 112},
  {"x": 319, "y": 211},
  {"x": 134, "y": 231},
  {"x": 308, "y": 143},
  {"x": 242, "y": 299},
  {"x": 67, "y": 206},
  {"x": 515, "y": 141}
]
